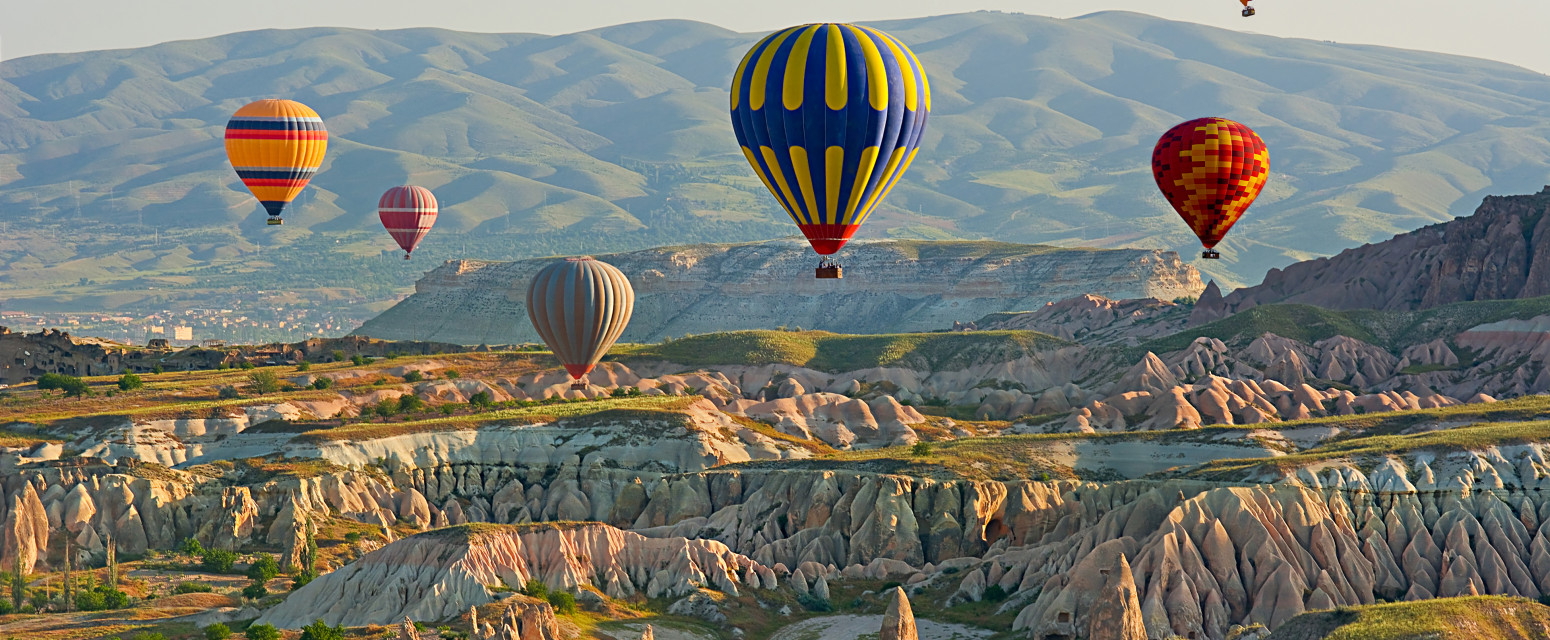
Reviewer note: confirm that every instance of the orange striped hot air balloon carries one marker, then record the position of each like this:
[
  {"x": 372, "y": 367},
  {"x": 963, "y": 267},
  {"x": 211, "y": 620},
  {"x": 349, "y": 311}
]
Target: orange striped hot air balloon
[
  {"x": 275, "y": 146},
  {"x": 1210, "y": 170},
  {"x": 407, "y": 213}
]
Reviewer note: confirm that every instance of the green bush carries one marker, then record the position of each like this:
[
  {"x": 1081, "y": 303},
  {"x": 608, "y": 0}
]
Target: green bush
[
  {"x": 814, "y": 603},
  {"x": 920, "y": 449},
  {"x": 563, "y": 602},
  {"x": 535, "y": 588},
  {"x": 158, "y": 370},
  {"x": 410, "y": 403},
  {"x": 191, "y": 547},
  {"x": 357, "y": 360},
  {"x": 129, "y": 382},
  {"x": 72, "y": 386},
  {"x": 448, "y": 409},
  {"x": 300, "y": 579},
  {"x": 228, "y": 392},
  {"x": 255, "y": 591},
  {"x": 148, "y": 635},
  {"x": 247, "y": 366},
  {"x": 217, "y": 561},
  {"x": 264, "y": 381},
  {"x": 89, "y": 601},
  {"x": 994, "y": 593},
  {"x": 352, "y": 537},
  {"x": 387, "y": 407},
  {"x": 217, "y": 631},
  {"x": 113, "y": 598},
  {"x": 336, "y": 355},
  {"x": 322, "y": 383},
  {"x": 414, "y": 376},
  {"x": 320, "y": 631},
  {"x": 264, "y": 569},
  {"x": 6, "y": 608},
  {"x": 303, "y": 366},
  {"x": 263, "y": 632},
  {"x": 191, "y": 587},
  {"x": 481, "y": 400},
  {"x": 450, "y": 374}
]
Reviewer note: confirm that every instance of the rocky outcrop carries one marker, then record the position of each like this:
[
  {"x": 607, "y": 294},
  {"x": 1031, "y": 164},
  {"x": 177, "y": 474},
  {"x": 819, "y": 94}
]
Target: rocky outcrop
[
  {"x": 1094, "y": 319},
  {"x": 438, "y": 575},
  {"x": 704, "y": 288},
  {"x": 1117, "y": 612},
  {"x": 899, "y": 619},
  {"x": 1500, "y": 252}
]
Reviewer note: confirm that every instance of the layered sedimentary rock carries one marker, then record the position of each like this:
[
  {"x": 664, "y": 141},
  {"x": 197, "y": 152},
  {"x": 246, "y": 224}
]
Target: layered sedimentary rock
[
  {"x": 892, "y": 287},
  {"x": 439, "y": 575},
  {"x": 1501, "y": 252}
]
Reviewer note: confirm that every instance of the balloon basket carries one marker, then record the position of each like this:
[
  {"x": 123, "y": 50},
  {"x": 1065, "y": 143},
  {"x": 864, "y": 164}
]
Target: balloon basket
[
  {"x": 274, "y": 221},
  {"x": 829, "y": 273},
  {"x": 578, "y": 385},
  {"x": 1211, "y": 254},
  {"x": 1248, "y": 12},
  {"x": 406, "y": 256}
]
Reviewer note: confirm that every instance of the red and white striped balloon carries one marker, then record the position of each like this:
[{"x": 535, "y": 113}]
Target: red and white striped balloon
[{"x": 408, "y": 213}]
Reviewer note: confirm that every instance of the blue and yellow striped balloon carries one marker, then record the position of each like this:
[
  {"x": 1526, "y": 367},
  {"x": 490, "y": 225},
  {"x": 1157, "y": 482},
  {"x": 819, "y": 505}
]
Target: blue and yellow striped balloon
[{"x": 829, "y": 116}]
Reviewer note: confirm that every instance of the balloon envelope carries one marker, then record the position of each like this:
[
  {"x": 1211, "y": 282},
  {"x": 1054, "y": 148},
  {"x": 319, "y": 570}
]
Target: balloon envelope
[
  {"x": 1210, "y": 170},
  {"x": 407, "y": 212},
  {"x": 275, "y": 146},
  {"x": 829, "y": 116},
  {"x": 580, "y": 306}
]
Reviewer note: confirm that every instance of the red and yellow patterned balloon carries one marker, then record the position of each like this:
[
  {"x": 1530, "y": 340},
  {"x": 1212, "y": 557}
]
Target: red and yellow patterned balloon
[{"x": 1210, "y": 170}]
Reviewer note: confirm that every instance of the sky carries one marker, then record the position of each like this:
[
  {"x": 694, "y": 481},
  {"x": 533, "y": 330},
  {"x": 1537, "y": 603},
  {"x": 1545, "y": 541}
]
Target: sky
[{"x": 1506, "y": 30}]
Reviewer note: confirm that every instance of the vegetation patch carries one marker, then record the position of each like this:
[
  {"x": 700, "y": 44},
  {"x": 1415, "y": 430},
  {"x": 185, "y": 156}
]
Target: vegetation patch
[
  {"x": 1467, "y": 618},
  {"x": 835, "y": 353},
  {"x": 574, "y": 414}
]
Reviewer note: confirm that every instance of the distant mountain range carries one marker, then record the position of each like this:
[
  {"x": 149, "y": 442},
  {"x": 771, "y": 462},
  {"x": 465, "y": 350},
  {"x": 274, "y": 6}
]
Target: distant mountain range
[{"x": 115, "y": 192}]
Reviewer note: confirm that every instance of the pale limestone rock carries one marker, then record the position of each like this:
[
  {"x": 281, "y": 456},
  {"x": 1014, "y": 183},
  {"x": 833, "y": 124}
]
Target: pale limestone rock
[{"x": 899, "y": 620}]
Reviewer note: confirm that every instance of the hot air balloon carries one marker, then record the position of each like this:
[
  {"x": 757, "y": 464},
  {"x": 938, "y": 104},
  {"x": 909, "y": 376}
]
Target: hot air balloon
[
  {"x": 580, "y": 306},
  {"x": 275, "y": 146},
  {"x": 407, "y": 212},
  {"x": 829, "y": 116},
  {"x": 1210, "y": 170},
  {"x": 1247, "y": 10}
]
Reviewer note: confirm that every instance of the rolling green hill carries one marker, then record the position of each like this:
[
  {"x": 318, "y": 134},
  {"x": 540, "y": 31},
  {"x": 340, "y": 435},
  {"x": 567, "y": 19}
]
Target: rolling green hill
[{"x": 115, "y": 191}]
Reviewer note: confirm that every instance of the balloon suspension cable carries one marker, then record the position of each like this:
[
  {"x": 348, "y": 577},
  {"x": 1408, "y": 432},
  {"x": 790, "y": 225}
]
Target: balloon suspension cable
[{"x": 829, "y": 269}]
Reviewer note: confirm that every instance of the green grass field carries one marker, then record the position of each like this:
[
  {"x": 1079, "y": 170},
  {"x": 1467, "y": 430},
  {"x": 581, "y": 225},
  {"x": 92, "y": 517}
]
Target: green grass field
[
  {"x": 1470, "y": 618},
  {"x": 835, "y": 353}
]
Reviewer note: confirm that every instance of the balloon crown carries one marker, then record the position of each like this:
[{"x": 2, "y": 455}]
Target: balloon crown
[{"x": 580, "y": 259}]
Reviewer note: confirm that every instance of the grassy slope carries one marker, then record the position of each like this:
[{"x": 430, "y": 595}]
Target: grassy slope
[
  {"x": 661, "y": 408},
  {"x": 1471, "y": 618},
  {"x": 1389, "y": 329},
  {"x": 832, "y": 352}
]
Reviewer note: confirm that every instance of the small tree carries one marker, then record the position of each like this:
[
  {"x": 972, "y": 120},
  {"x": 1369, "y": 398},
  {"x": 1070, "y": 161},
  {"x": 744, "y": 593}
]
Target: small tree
[
  {"x": 414, "y": 376},
  {"x": 481, "y": 400},
  {"x": 18, "y": 583},
  {"x": 264, "y": 569},
  {"x": 158, "y": 370},
  {"x": 450, "y": 374},
  {"x": 246, "y": 366},
  {"x": 562, "y": 601},
  {"x": 920, "y": 449},
  {"x": 320, "y": 630},
  {"x": 357, "y": 359},
  {"x": 303, "y": 366},
  {"x": 217, "y": 560},
  {"x": 322, "y": 383},
  {"x": 129, "y": 382},
  {"x": 191, "y": 547},
  {"x": 535, "y": 588},
  {"x": 255, "y": 591},
  {"x": 409, "y": 403},
  {"x": 264, "y": 381},
  {"x": 263, "y": 631},
  {"x": 217, "y": 631},
  {"x": 337, "y": 355},
  {"x": 228, "y": 392}
]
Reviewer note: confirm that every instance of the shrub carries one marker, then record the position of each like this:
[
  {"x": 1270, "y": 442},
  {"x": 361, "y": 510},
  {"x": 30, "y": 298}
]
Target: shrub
[
  {"x": 264, "y": 569},
  {"x": 336, "y": 355},
  {"x": 414, "y": 376},
  {"x": 191, "y": 587},
  {"x": 481, "y": 400},
  {"x": 228, "y": 392},
  {"x": 562, "y": 601},
  {"x": 262, "y": 382},
  {"x": 217, "y": 631},
  {"x": 994, "y": 593},
  {"x": 536, "y": 588},
  {"x": 300, "y": 579},
  {"x": 255, "y": 591},
  {"x": 89, "y": 601},
  {"x": 352, "y": 537},
  {"x": 129, "y": 382},
  {"x": 814, "y": 603},
  {"x": 321, "y": 631},
  {"x": 448, "y": 409},
  {"x": 322, "y": 383},
  {"x": 217, "y": 560},
  {"x": 920, "y": 449},
  {"x": 191, "y": 547},
  {"x": 303, "y": 366},
  {"x": 357, "y": 360},
  {"x": 148, "y": 635},
  {"x": 618, "y": 392},
  {"x": 450, "y": 374},
  {"x": 113, "y": 598},
  {"x": 409, "y": 403},
  {"x": 6, "y": 608},
  {"x": 263, "y": 632},
  {"x": 72, "y": 386},
  {"x": 158, "y": 370},
  {"x": 246, "y": 366},
  {"x": 387, "y": 407}
]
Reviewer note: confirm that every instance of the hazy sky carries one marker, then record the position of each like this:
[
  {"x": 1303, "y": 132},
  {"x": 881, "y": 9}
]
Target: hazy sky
[{"x": 1507, "y": 30}]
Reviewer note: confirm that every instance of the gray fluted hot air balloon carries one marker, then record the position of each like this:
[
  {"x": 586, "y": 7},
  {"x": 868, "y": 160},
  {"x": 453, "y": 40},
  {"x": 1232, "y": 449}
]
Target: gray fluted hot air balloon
[{"x": 580, "y": 306}]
